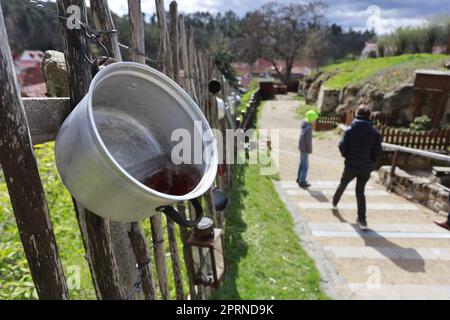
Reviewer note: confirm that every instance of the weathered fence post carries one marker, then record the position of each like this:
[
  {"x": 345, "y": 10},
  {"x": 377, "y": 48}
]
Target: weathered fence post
[
  {"x": 187, "y": 254},
  {"x": 160, "y": 254},
  {"x": 102, "y": 17},
  {"x": 96, "y": 231},
  {"x": 174, "y": 41},
  {"x": 184, "y": 57},
  {"x": 143, "y": 260},
  {"x": 24, "y": 184},
  {"x": 192, "y": 71},
  {"x": 173, "y": 246},
  {"x": 127, "y": 238},
  {"x": 156, "y": 220},
  {"x": 392, "y": 173},
  {"x": 163, "y": 56},
  {"x": 123, "y": 235},
  {"x": 136, "y": 22}
]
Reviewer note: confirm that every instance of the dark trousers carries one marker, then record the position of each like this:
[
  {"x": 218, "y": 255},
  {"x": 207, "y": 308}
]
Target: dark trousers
[{"x": 361, "y": 180}]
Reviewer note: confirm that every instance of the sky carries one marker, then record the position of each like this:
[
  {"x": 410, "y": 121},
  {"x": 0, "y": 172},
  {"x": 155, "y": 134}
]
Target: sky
[{"x": 383, "y": 16}]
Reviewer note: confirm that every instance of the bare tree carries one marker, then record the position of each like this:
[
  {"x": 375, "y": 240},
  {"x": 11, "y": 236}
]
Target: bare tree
[{"x": 279, "y": 32}]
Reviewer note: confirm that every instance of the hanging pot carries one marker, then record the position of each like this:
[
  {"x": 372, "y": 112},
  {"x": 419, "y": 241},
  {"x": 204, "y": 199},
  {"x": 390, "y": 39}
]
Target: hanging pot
[
  {"x": 220, "y": 108},
  {"x": 221, "y": 200},
  {"x": 114, "y": 151}
]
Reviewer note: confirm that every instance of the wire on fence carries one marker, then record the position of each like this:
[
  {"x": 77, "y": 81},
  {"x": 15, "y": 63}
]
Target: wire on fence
[
  {"x": 138, "y": 283},
  {"x": 92, "y": 33}
]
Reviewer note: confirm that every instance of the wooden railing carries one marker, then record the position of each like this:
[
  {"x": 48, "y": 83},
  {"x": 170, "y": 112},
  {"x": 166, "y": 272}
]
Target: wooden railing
[
  {"x": 331, "y": 118},
  {"x": 328, "y": 121},
  {"x": 438, "y": 139},
  {"x": 397, "y": 149}
]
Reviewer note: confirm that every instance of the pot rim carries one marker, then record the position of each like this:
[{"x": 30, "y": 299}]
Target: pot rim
[{"x": 187, "y": 103}]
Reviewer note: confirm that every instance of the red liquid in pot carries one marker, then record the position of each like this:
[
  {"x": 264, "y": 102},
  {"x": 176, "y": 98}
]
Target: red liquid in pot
[{"x": 173, "y": 179}]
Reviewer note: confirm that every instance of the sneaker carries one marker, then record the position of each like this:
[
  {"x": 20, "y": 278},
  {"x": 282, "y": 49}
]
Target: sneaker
[
  {"x": 304, "y": 185},
  {"x": 362, "y": 224}
]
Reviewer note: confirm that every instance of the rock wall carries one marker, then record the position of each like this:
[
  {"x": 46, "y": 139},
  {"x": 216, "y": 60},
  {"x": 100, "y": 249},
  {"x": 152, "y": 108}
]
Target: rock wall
[
  {"x": 311, "y": 86},
  {"x": 416, "y": 189},
  {"x": 328, "y": 99},
  {"x": 348, "y": 98}
]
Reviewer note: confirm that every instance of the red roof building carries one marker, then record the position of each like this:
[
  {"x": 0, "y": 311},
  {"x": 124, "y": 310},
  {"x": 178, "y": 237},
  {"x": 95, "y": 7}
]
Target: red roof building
[
  {"x": 264, "y": 68},
  {"x": 29, "y": 74}
]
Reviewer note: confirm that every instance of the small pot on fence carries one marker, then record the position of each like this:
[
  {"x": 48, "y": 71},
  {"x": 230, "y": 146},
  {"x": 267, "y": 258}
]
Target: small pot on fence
[{"x": 114, "y": 151}]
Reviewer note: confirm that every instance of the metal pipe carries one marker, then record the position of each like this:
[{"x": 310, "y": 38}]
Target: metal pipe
[{"x": 422, "y": 153}]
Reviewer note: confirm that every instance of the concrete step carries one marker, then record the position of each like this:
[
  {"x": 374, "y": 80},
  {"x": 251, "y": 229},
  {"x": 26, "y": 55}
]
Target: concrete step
[
  {"x": 393, "y": 271},
  {"x": 382, "y": 234},
  {"x": 319, "y": 185},
  {"x": 387, "y": 253},
  {"x": 382, "y": 242},
  {"x": 330, "y": 193},
  {"x": 373, "y": 216},
  {"x": 400, "y": 292},
  {"x": 379, "y": 227},
  {"x": 353, "y": 206}
]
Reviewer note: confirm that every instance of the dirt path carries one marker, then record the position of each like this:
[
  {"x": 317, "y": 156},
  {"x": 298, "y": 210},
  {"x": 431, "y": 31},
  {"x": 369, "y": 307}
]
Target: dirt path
[{"x": 403, "y": 256}]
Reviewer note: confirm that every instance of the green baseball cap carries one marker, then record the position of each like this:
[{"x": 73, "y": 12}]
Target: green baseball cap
[{"x": 311, "y": 116}]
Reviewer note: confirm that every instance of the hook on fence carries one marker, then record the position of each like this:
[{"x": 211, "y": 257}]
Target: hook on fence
[{"x": 94, "y": 36}]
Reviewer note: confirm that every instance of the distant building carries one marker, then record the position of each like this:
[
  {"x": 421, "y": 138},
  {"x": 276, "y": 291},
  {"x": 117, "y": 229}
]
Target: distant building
[
  {"x": 263, "y": 68},
  {"x": 370, "y": 51},
  {"x": 439, "y": 49},
  {"x": 243, "y": 72},
  {"x": 29, "y": 74}
]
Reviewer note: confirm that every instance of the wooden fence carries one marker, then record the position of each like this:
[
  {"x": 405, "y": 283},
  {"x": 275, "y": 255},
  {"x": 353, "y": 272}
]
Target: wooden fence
[
  {"x": 438, "y": 139},
  {"x": 247, "y": 116},
  {"x": 328, "y": 121},
  {"x": 113, "y": 250}
]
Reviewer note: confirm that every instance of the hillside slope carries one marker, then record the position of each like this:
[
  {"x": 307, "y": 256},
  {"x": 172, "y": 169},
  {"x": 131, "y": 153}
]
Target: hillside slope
[
  {"x": 385, "y": 73},
  {"x": 386, "y": 84}
]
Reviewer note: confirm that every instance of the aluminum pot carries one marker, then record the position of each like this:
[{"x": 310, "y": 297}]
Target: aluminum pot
[{"x": 121, "y": 132}]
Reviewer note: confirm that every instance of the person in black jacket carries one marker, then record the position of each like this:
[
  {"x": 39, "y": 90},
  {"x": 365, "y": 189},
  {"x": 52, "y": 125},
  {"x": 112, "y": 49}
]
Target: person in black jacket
[{"x": 361, "y": 148}]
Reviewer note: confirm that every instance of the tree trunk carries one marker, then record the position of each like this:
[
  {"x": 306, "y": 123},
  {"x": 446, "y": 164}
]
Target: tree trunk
[{"x": 95, "y": 231}]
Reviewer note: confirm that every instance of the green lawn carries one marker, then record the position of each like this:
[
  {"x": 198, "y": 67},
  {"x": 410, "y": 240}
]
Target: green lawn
[
  {"x": 15, "y": 280},
  {"x": 15, "y": 277},
  {"x": 263, "y": 253},
  {"x": 384, "y": 72}
]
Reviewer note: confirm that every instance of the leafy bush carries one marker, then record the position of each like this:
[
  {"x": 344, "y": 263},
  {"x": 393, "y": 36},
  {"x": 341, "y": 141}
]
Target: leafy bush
[{"x": 422, "y": 123}]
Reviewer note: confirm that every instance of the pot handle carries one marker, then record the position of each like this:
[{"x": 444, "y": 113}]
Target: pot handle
[{"x": 173, "y": 214}]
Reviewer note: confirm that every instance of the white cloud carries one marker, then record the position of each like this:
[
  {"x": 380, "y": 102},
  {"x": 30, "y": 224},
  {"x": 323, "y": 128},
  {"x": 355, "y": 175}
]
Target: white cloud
[{"x": 347, "y": 13}]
